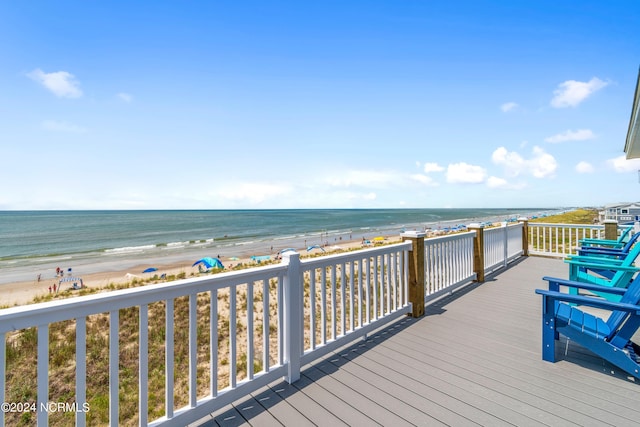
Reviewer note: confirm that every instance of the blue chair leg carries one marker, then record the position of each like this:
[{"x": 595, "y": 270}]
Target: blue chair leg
[{"x": 549, "y": 334}]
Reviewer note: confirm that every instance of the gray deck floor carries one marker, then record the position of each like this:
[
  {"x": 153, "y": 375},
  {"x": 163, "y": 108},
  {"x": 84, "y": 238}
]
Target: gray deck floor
[{"x": 473, "y": 359}]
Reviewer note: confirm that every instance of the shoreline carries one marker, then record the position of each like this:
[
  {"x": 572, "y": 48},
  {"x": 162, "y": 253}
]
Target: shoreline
[
  {"x": 24, "y": 292},
  {"x": 99, "y": 273}
]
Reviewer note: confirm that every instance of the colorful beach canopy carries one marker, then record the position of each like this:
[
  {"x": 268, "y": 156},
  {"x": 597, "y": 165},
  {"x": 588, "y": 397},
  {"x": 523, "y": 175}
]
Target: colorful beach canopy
[
  {"x": 209, "y": 262},
  {"x": 310, "y": 248},
  {"x": 150, "y": 270}
]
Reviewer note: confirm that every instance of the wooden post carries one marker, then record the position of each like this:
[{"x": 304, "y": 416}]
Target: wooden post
[
  {"x": 611, "y": 229},
  {"x": 525, "y": 235},
  {"x": 478, "y": 251},
  {"x": 416, "y": 271}
]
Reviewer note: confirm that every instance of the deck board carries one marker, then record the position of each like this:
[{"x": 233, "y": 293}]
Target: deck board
[{"x": 473, "y": 359}]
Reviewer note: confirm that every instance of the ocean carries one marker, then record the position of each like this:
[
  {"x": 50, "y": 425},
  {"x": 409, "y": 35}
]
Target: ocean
[{"x": 92, "y": 241}]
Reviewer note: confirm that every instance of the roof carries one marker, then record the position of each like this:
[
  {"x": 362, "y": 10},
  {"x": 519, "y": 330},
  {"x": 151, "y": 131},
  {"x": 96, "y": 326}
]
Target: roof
[
  {"x": 632, "y": 145},
  {"x": 622, "y": 205}
]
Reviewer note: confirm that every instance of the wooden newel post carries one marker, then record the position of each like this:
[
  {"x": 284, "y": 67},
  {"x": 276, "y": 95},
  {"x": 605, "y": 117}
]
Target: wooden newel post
[
  {"x": 416, "y": 271},
  {"x": 525, "y": 236},
  {"x": 478, "y": 251},
  {"x": 611, "y": 229}
]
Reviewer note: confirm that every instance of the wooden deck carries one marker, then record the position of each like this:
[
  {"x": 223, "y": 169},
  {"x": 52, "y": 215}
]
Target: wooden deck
[{"x": 473, "y": 359}]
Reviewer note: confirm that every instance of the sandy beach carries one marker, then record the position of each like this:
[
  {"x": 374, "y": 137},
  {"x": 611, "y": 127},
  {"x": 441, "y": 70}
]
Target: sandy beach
[{"x": 24, "y": 292}]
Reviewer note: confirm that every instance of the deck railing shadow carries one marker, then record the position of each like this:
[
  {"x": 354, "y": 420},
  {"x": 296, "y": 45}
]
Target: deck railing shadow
[{"x": 244, "y": 411}]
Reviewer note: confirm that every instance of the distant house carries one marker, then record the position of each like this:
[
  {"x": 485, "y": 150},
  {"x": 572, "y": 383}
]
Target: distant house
[{"x": 624, "y": 213}]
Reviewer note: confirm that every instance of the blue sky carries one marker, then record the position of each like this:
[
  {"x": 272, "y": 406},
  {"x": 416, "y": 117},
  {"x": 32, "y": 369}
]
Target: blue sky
[{"x": 332, "y": 104}]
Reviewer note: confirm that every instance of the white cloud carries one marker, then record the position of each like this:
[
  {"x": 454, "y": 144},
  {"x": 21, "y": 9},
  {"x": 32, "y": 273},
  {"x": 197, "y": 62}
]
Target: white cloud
[
  {"x": 570, "y": 135},
  {"x": 464, "y": 173},
  {"x": 584, "y": 167},
  {"x": 125, "y": 97},
  {"x": 622, "y": 165},
  {"x": 61, "y": 83},
  {"x": 424, "y": 180},
  {"x": 540, "y": 165},
  {"x": 495, "y": 182},
  {"x": 508, "y": 106},
  {"x": 513, "y": 162},
  {"x": 572, "y": 92},
  {"x": 57, "y": 126},
  {"x": 432, "y": 167},
  {"x": 362, "y": 178}
]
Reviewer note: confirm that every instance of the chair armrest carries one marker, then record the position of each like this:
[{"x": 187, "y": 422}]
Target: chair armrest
[
  {"x": 602, "y": 266},
  {"x": 598, "y": 242},
  {"x": 585, "y": 286},
  {"x": 590, "y": 301},
  {"x": 593, "y": 259}
]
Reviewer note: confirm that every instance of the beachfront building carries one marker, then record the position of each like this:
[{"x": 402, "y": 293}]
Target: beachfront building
[{"x": 623, "y": 213}]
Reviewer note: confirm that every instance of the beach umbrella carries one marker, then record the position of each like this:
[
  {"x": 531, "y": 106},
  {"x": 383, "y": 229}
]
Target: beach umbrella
[
  {"x": 150, "y": 270},
  {"x": 378, "y": 239},
  {"x": 310, "y": 248},
  {"x": 287, "y": 250},
  {"x": 209, "y": 262}
]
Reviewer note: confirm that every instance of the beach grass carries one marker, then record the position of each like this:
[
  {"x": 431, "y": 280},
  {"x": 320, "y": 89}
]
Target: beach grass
[{"x": 577, "y": 216}]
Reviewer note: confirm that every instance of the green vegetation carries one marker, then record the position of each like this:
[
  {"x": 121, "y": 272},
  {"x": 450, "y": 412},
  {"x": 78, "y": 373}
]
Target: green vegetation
[{"x": 578, "y": 216}]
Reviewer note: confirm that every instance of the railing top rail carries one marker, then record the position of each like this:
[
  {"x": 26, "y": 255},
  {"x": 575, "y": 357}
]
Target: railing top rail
[
  {"x": 455, "y": 236},
  {"x": 553, "y": 224},
  {"x": 26, "y": 316},
  {"x": 353, "y": 255}
]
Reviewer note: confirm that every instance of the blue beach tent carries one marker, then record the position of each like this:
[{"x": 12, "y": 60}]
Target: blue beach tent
[{"x": 209, "y": 262}]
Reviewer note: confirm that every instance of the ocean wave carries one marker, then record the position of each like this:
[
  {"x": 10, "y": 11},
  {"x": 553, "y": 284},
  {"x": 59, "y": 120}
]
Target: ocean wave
[
  {"x": 130, "y": 249},
  {"x": 295, "y": 236}
]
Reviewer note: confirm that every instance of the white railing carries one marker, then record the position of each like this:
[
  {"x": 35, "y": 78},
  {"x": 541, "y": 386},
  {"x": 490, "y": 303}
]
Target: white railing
[
  {"x": 502, "y": 245},
  {"x": 243, "y": 330},
  {"x": 560, "y": 240},
  {"x": 347, "y": 295},
  {"x": 448, "y": 263}
]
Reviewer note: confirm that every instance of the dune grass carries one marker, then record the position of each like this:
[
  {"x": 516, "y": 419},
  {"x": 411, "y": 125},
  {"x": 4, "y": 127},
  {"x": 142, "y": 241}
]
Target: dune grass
[{"x": 577, "y": 216}]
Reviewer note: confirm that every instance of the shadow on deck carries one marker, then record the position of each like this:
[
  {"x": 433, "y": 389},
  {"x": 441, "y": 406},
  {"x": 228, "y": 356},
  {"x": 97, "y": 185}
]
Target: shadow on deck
[{"x": 473, "y": 359}]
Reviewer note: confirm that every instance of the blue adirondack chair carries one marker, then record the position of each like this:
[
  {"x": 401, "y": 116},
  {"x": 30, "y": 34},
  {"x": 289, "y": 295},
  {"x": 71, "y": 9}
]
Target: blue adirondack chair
[
  {"x": 602, "y": 271},
  {"x": 609, "y": 339},
  {"x": 618, "y": 243},
  {"x": 614, "y": 253}
]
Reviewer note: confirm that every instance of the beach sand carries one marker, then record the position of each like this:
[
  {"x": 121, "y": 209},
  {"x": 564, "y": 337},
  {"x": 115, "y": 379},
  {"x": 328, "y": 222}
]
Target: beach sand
[{"x": 24, "y": 292}]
